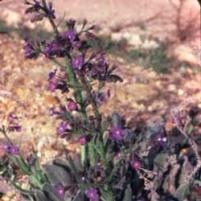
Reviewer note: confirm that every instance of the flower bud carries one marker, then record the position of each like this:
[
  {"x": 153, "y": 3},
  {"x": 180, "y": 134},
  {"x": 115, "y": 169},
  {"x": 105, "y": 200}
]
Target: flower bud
[
  {"x": 136, "y": 164},
  {"x": 117, "y": 133},
  {"x": 77, "y": 62},
  {"x": 11, "y": 149},
  {"x": 72, "y": 106},
  {"x": 63, "y": 128},
  {"x": 92, "y": 194},
  {"x": 60, "y": 190},
  {"x": 83, "y": 140}
]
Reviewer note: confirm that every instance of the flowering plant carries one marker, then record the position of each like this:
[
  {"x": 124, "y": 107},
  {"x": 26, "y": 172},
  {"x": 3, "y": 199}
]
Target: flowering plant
[{"x": 116, "y": 162}]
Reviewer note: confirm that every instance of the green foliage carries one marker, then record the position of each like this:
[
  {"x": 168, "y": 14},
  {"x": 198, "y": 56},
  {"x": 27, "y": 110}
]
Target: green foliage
[{"x": 156, "y": 58}]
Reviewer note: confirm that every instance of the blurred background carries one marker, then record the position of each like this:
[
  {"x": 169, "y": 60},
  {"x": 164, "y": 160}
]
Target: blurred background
[{"x": 159, "y": 16}]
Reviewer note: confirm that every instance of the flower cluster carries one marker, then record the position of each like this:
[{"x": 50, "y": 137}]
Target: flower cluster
[
  {"x": 13, "y": 124},
  {"x": 11, "y": 149},
  {"x": 92, "y": 194},
  {"x": 56, "y": 81},
  {"x": 74, "y": 45},
  {"x": 40, "y": 10}
]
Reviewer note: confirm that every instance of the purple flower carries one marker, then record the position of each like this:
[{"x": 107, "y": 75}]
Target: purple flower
[
  {"x": 99, "y": 69},
  {"x": 117, "y": 133},
  {"x": 50, "y": 12},
  {"x": 83, "y": 140},
  {"x": 71, "y": 35},
  {"x": 159, "y": 139},
  {"x": 101, "y": 60},
  {"x": 60, "y": 190},
  {"x": 78, "y": 62},
  {"x": 37, "y": 8},
  {"x": 136, "y": 164},
  {"x": 53, "y": 48},
  {"x": 34, "y": 7},
  {"x": 92, "y": 194},
  {"x": 52, "y": 74},
  {"x": 59, "y": 47},
  {"x": 72, "y": 106},
  {"x": 52, "y": 85},
  {"x": 15, "y": 127},
  {"x": 12, "y": 117},
  {"x": 29, "y": 51},
  {"x": 76, "y": 44},
  {"x": 63, "y": 128},
  {"x": 56, "y": 82},
  {"x": 101, "y": 97},
  {"x": 13, "y": 123},
  {"x": 162, "y": 140},
  {"x": 11, "y": 149}
]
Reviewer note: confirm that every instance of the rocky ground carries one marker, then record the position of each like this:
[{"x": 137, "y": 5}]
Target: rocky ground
[{"x": 143, "y": 95}]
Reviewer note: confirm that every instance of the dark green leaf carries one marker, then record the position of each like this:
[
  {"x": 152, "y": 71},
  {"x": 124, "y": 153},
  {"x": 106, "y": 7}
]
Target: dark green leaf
[
  {"x": 40, "y": 196},
  {"x": 128, "y": 194},
  {"x": 51, "y": 194},
  {"x": 58, "y": 174},
  {"x": 182, "y": 192}
]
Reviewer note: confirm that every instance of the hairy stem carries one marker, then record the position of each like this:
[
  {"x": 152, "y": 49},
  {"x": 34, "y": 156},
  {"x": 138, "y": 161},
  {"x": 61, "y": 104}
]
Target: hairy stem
[
  {"x": 3, "y": 131},
  {"x": 78, "y": 92},
  {"x": 88, "y": 89},
  {"x": 50, "y": 19}
]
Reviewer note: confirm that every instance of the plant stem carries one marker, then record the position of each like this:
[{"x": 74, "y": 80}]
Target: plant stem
[
  {"x": 50, "y": 19},
  {"x": 75, "y": 84},
  {"x": 78, "y": 92},
  {"x": 97, "y": 114},
  {"x": 91, "y": 98},
  {"x": 69, "y": 70},
  {"x": 3, "y": 131}
]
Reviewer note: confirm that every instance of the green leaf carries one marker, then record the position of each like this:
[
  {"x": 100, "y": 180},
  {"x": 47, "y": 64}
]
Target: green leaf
[
  {"x": 40, "y": 196},
  {"x": 182, "y": 192},
  {"x": 128, "y": 194},
  {"x": 92, "y": 153},
  {"x": 161, "y": 160},
  {"x": 19, "y": 161},
  {"x": 116, "y": 119},
  {"x": 57, "y": 174},
  {"x": 50, "y": 191},
  {"x": 106, "y": 194},
  {"x": 19, "y": 188},
  {"x": 83, "y": 154},
  {"x": 35, "y": 182}
]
